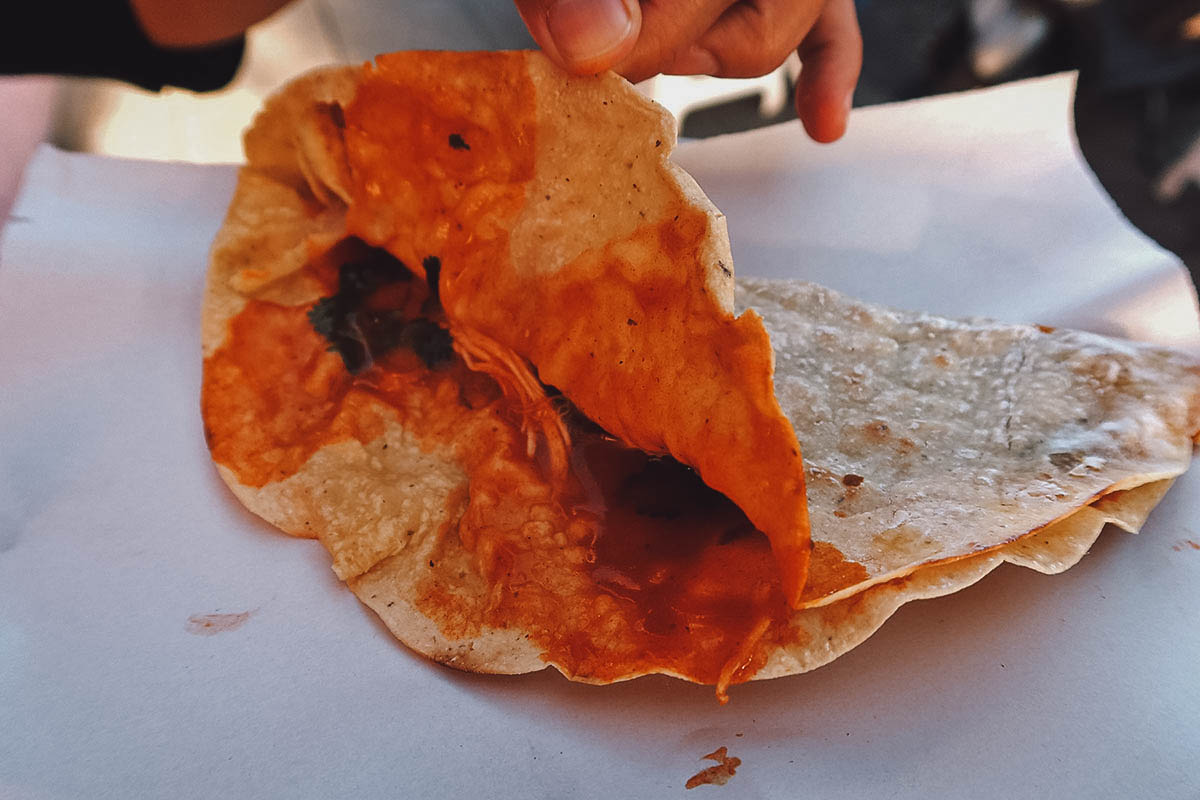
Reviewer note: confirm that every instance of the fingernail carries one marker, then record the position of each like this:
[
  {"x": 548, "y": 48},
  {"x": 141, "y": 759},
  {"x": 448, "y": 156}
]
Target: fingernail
[{"x": 586, "y": 30}]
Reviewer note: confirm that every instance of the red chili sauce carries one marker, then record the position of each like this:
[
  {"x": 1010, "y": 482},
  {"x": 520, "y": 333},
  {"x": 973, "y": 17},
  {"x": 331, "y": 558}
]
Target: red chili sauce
[
  {"x": 635, "y": 566},
  {"x": 643, "y": 567},
  {"x": 441, "y": 149}
]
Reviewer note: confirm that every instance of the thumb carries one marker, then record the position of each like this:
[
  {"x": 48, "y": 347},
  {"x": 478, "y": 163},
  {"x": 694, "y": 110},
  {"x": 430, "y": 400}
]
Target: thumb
[{"x": 583, "y": 36}]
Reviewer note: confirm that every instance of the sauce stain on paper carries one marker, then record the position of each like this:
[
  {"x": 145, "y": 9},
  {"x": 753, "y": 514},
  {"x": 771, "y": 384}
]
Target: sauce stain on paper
[
  {"x": 720, "y": 774},
  {"x": 1179, "y": 547},
  {"x": 211, "y": 624}
]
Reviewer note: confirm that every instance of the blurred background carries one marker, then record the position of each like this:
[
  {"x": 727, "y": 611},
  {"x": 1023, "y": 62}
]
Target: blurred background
[
  {"x": 913, "y": 48},
  {"x": 1137, "y": 110}
]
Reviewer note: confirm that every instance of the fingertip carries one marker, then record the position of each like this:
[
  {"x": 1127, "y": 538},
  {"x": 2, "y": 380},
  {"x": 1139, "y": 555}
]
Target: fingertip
[
  {"x": 824, "y": 118},
  {"x": 831, "y": 58},
  {"x": 823, "y": 131}
]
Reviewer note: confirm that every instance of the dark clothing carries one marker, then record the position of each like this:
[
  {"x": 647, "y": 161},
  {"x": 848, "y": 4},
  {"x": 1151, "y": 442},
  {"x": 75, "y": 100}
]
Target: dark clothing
[
  {"x": 102, "y": 38},
  {"x": 1137, "y": 112}
]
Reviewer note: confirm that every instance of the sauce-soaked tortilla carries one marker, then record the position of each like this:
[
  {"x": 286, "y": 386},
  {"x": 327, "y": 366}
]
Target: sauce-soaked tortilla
[
  {"x": 634, "y": 566},
  {"x": 412, "y": 464},
  {"x": 621, "y": 300}
]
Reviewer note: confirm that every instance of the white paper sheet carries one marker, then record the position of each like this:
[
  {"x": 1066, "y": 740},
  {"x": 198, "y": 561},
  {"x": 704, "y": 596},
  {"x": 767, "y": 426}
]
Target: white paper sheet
[{"x": 115, "y": 530}]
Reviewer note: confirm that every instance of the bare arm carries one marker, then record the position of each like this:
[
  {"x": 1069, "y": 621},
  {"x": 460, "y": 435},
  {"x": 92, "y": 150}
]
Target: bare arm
[{"x": 192, "y": 23}]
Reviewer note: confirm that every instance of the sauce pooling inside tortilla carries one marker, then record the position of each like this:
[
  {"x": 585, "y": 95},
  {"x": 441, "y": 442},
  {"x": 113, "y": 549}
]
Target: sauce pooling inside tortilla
[{"x": 635, "y": 566}]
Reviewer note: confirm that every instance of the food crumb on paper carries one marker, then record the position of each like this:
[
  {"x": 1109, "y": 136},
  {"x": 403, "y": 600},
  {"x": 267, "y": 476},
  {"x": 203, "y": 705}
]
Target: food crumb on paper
[
  {"x": 1179, "y": 547},
  {"x": 720, "y": 774},
  {"x": 209, "y": 624}
]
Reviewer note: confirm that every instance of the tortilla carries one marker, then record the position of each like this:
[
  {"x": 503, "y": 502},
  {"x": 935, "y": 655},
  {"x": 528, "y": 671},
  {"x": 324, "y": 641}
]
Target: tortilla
[
  {"x": 550, "y": 209},
  {"x": 930, "y": 439},
  {"x": 935, "y": 450}
]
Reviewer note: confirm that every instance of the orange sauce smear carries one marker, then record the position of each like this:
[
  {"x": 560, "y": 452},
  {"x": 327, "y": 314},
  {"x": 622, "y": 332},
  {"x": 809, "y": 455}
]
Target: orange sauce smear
[
  {"x": 274, "y": 393},
  {"x": 730, "y": 427},
  {"x": 672, "y": 576}
]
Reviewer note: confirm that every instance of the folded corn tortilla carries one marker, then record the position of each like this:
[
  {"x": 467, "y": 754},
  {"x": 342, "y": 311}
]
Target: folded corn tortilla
[{"x": 934, "y": 449}]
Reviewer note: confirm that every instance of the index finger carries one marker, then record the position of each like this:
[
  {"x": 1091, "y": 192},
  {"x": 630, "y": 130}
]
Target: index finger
[{"x": 831, "y": 59}]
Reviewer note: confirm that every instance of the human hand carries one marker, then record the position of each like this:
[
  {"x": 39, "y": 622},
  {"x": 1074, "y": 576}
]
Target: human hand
[{"x": 724, "y": 38}]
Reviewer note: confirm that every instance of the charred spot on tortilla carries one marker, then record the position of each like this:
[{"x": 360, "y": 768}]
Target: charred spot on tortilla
[
  {"x": 1066, "y": 461},
  {"x": 458, "y": 143},
  {"x": 430, "y": 341},
  {"x": 433, "y": 273},
  {"x": 361, "y": 328},
  {"x": 359, "y": 278}
]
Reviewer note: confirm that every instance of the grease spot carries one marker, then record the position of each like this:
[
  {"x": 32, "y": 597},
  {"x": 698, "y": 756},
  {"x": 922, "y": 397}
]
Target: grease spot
[
  {"x": 210, "y": 624},
  {"x": 720, "y": 774},
  {"x": 913, "y": 543}
]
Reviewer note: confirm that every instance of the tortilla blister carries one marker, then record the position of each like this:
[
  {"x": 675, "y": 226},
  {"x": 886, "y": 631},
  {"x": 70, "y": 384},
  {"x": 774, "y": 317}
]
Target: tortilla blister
[{"x": 936, "y": 450}]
